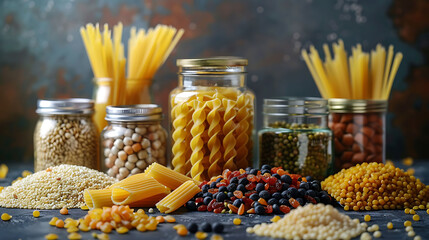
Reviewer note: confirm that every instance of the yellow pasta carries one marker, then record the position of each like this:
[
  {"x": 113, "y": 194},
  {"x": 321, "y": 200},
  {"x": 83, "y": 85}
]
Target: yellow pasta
[
  {"x": 242, "y": 138},
  {"x": 217, "y": 134},
  {"x": 149, "y": 202},
  {"x": 179, "y": 135},
  {"x": 178, "y": 197},
  {"x": 214, "y": 144},
  {"x": 167, "y": 177},
  {"x": 229, "y": 140},
  {"x": 135, "y": 188},
  {"x": 98, "y": 198},
  {"x": 197, "y": 144},
  {"x": 360, "y": 76}
]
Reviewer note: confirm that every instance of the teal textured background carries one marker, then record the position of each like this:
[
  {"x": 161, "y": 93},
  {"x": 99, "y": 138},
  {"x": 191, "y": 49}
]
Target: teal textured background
[{"x": 42, "y": 55}]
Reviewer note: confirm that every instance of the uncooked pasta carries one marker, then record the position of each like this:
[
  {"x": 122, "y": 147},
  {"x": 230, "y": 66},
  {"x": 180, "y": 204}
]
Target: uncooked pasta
[{"x": 211, "y": 131}]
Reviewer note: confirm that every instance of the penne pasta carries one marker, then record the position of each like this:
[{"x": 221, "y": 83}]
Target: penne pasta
[
  {"x": 135, "y": 188},
  {"x": 166, "y": 176},
  {"x": 98, "y": 198},
  {"x": 178, "y": 197}
]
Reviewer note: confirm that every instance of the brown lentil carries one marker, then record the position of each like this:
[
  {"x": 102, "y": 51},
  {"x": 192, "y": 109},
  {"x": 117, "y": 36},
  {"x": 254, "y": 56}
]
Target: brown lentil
[
  {"x": 375, "y": 186},
  {"x": 42, "y": 190},
  {"x": 311, "y": 222}
]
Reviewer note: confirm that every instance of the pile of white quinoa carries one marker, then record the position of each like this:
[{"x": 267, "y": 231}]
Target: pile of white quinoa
[
  {"x": 54, "y": 188},
  {"x": 311, "y": 222}
]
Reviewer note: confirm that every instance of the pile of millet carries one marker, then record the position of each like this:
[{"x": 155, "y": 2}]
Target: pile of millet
[{"x": 375, "y": 186}]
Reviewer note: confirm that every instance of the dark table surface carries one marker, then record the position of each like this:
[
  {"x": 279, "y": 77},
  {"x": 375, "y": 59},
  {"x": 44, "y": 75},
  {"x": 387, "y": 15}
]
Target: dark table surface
[{"x": 24, "y": 226}]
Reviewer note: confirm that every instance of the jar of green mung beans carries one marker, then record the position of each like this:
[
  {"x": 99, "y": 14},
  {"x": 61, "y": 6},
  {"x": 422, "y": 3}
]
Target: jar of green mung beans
[{"x": 296, "y": 136}]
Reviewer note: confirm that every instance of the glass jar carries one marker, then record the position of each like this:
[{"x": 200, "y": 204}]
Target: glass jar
[
  {"x": 65, "y": 134},
  {"x": 102, "y": 96},
  {"x": 296, "y": 136},
  {"x": 138, "y": 92},
  {"x": 132, "y": 140},
  {"x": 359, "y": 131},
  {"x": 212, "y": 117}
]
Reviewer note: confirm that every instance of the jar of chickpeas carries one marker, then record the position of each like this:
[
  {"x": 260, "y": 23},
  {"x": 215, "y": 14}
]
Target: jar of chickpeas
[
  {"x": 211, "y": 116},
  {"x": 296, "y": 136},
  {"x": 65, "y": 134},
  {"x": 132, "y": 140}
]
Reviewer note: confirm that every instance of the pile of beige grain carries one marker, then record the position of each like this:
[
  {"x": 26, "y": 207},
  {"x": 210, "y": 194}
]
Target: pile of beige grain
[
  {"x": 54, "y": 188},
  {"x": 311, "y": 222}
]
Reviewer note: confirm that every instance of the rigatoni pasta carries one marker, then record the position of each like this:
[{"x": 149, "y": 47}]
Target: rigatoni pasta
[
  {"x": 98, "y": 198},
  {"x": 166, "y": 176},
  {"x": 178, "y": 197}
]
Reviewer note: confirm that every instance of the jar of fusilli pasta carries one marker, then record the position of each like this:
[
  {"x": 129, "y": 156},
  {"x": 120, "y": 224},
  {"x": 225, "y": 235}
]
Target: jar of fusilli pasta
[
  {"x": 296, "y": 136},
  {"x": 212, "y": 117},
  {"x": 132, "y": 140}
]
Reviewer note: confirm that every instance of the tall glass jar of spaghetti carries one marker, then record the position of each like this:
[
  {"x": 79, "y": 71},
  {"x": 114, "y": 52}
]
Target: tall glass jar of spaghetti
[
  {"x": 359, "y": 131},
  {"x": 212, "y": 117}
]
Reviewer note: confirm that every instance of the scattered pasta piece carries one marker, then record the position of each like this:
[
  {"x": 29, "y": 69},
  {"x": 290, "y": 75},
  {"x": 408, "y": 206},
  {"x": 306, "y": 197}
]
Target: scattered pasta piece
[
  {"x": 51, "y": 236},
  {"x": 166, "y": 176},
  {"x": 5, "y": 217}
]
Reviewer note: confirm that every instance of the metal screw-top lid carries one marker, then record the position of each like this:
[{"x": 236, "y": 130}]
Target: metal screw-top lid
[
  {"x": 341, "y": 105},
  {"x": 65, "y": 106},
  {"x": 214, "y": 65},
  {"x": 134, "y": 113},
  {"x": 295, "y": 106}
]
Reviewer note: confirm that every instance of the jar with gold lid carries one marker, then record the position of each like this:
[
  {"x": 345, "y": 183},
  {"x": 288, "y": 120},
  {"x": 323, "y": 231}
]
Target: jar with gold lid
[{"x": 211, "y": 117}]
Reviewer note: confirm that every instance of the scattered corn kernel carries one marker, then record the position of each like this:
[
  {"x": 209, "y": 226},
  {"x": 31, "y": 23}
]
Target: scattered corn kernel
[
  {"x": 416, "y": 217},
  {"x": 367, "y": 218},
  {"x": 421, "y": 206},
  {"x": 417, "y": 237},
  {"x": 169, "y": 219},
  {"x": 407, "y": 223},
  {"x": 407, "y": 161},
  {"x": 5, "y": 217},
  {"x": 51, "y": 236},
  {"x": 275, "y": 218},
  {"x": 103, "y": 236},
  {"x": 216, "y": 237},
  {"x": 182, "y": 231},
  {"x": 26, "y": 173},
  {"x": 36, "y": 214},
  {"x": 407, "y": 211},
  {"x": 84, "y": 207},
  {"x": 389, "y": 225},
  {"x": 411, "y": 234},
  {"x": 412, "y": 211},
  {"x": 151, "y": 226},
  {"x": 160, "y": 219},
  {"x": 3, "y": 171},
  {"x": 237, "y": 221},
  {"x": 151, "y": 210},
  {"x": 411, "y": 171},
  {"x": 415, "y": 207},
  {"x": 201, "y": 235},
  {"x": 72, "y": 229},
  {"x": 94, "y": 235},
  {"x": 1, "y": 188},
  {"x": 177, "y": 226},
  {"x": 59, "y": 223},
  {"x": 409, "y": 228},
  {"x": 53, "y": 221},
  {"x": 427, "y": 211},
  {"x": 84, "y": 228},
  {"x": 64, "y": 211},
  {"x": 106, "y": 228},
  {"x": 122, "y": 230},
  {"x": 74, "y": 236},
  {"x": 377, "y": 234}
]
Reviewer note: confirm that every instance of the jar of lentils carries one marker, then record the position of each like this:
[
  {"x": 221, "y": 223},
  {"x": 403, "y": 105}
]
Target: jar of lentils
[
  {"x": 132, "y": 140},
  {"x": 296, "y": 136},
  {"x": 65, "y": 134}
]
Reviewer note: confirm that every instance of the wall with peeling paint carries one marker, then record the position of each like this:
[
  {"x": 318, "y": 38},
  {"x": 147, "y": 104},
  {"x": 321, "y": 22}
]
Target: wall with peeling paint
[{"x": 42, "y": 55}]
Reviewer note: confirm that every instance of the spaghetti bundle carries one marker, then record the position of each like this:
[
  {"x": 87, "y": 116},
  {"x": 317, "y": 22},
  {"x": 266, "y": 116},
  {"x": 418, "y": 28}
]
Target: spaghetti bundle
[{"x": 359, "y": 76}]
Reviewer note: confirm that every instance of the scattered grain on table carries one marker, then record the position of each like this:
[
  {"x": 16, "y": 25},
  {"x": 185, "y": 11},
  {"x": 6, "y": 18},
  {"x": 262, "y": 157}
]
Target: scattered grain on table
[{"x": 54, "y": 188}]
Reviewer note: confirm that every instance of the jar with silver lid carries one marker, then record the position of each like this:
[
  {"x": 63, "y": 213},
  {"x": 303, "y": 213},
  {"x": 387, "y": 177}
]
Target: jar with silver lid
[
  {"x": 65, "y": 134},
  {"x": 132, "y": 140}
]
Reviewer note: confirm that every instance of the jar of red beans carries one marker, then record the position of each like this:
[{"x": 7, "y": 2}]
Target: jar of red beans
[
  {"x": 359, "y": 131},
  {"x": 132, "y": 140}
]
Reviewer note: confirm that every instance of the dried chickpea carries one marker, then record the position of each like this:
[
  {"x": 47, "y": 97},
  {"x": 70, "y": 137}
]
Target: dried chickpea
[
  {"x": 377, "y": 234},
  {"x": 411, "y": 234}
]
